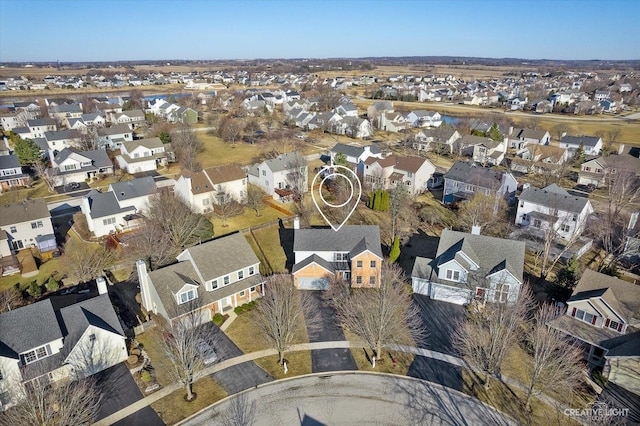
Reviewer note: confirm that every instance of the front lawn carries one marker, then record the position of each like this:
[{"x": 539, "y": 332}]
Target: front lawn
[
  {"x": 151, "y": 341},
  {"x": 362, "y": 356},
  {"x": 173, "y": 408},
  {"x": 245, "y": 220}
]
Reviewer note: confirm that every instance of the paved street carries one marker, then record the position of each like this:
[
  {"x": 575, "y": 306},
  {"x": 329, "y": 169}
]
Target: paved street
[
  {"x": 329, "y": 330},
  {"x": 351, "y": 399}
]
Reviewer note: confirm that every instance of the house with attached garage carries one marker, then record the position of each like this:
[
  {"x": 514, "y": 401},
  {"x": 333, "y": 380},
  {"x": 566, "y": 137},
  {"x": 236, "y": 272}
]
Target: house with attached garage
[
  {"x": 603, "y": 316},
  {"x": 592, "y": 145},
  {"x": 352, "y": 253},
  {"x": 28, "y": 224},
  {"x": 208, "y": 278},
  {"x": 72, "y": 165},
  {"x": 552, "y": 206},
  {"x": 58, "y": 339},
  {"x": 142, "y": 155},
  {"x": 519, "y": 137},
  {"x": 38, "y": 126},
  {"x": 61, "y": 139},
  {"x": 423, "y": 118},
  {"x": 471, "y": 266},
  {"x": 133, "y": 118},
  {"x": 539, "y": 159},
  {"x": 201, "y": 190},
  {"x": 412, "y": 173},
  {"x": 281, "y": 175},
  {"x": 439, "y": 140},
  {"x": 597, "y": 171},
  {"x": 11, "y": 175},
  {"x": 463, "y": 180}
]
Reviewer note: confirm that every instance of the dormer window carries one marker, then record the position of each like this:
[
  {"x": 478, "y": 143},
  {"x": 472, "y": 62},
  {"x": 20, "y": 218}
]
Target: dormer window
[
  {"x": 186, "y": 296},
  {"x": 453, "y": 275}
]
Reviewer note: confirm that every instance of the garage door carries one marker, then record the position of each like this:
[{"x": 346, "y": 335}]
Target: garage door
[
  {"x": 313, "y": 283},
  {"x": 450, "y": 294},
  {"x": 203, "y": 316}
]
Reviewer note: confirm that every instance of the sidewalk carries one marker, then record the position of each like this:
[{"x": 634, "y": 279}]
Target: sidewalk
[{"x": 144, "y": 402}]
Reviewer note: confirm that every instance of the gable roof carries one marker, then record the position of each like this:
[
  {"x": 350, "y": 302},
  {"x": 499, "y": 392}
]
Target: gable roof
[
  {"x": 469, "y": 173},
  {"x": 537, "y": 134},
  {"x": 102, "y": 204},
  {"x": 150, "y": 143},
  {"x": 226, "y": 173},
  {"x": 354, "y": 151},
  {"x": 314, "y": 258},
  {"x": 554, "y": 197},
  {"x": 28, "y": 327},
  {"x": 286, "y": 161},
  {"x": 61, "y": 135},
  {"x": 9, "y": 162},
  {"x": 134, "y": 188},
  {"x": 118, "y": 129},
  {"x": 23, "y": 211},
  {"x": 577, "y": 140},
  {"x": 347, "y": 239},
  {"x": 98, "y": 157}
]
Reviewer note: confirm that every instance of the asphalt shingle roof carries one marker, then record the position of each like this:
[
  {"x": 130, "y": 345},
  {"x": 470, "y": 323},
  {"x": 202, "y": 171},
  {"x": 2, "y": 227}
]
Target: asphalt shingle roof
[
  {"x": 103, "y": 204},
  {"x": 346, "y": 239},
  {"x": 134, "y": 188},
  {"x": 30, "y": 326},
  {"x": 469, "y": 173},
  {"x": 554, "y": 197},
  {"x": 286, "y": 161},
  {"x": 23, "y": 212},
  {"x": 577, "y": 140}
]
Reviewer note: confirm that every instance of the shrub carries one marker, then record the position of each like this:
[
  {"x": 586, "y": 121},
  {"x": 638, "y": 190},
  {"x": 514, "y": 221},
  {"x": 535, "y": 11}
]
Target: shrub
[
  {"x": 34, "y": 289},
  {"x": 238, "y": 310},
  {"x": 599, "y": 378},
  {"x": 52, "y": 284},
  {"x": 395, "y": 250},
  {"x": 218, "y": 319},
  {"x": 145, "y": 376},
  {"x": 252, "y": 303}
]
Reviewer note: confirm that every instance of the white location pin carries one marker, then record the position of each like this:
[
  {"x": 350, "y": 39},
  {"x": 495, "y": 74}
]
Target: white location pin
[{"x": 345, "y": 172}]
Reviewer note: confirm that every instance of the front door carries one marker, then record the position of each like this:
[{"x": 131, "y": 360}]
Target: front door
[{"x": 226, "y": 303}]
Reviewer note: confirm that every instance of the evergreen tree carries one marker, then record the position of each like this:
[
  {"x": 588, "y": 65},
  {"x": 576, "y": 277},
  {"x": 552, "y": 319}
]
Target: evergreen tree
[
  {"x": 568, "y": 276},
  {"x": 377, "y": 200},
  {"x": 395, "y": 250},
  {"x": 384, "y": 205},
  {"x": 52, "y": 284},
  {"x": 27, "y": 151},
  {"x": 372, "y": 197}
]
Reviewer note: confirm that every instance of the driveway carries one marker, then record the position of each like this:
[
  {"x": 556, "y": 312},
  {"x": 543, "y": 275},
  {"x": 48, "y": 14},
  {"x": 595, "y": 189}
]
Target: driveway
[
  {"x": 436, "y": 371},
  {"x": 239, "y": 377},
  {"x": 440, "y": 320},
  {"x": 118, "y": 390},
  {"x": 329, "y": 330}
]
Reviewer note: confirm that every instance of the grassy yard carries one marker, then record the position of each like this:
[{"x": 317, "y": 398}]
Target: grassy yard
[
  {"x": 245, "y": 220},
  {"x": 152, "y": 343},
  {"x": 47, "y": 269},
  {"x": 173, "y": 408},
  {"x": 362, "y": 356},
  {"x": 269, "y": 241}
]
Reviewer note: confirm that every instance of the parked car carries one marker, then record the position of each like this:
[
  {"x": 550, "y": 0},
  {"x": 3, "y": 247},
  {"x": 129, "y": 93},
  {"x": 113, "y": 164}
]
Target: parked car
[
  {"x": 74, "y": 185},
  {"x": 207, "y": 353}
]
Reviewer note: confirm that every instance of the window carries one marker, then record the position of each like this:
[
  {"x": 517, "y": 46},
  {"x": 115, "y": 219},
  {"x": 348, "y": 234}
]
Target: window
[
  {"x": 227, "y": 280},
  {"x": 409, "y": 174},
  {"x": 69, "y": 167},
  {"x": 565, "y": 228},
  {"x": 302, "y": 170},
  {"x": 214, "y": 284},
  {"x": 253, "y": 289},
  {"x": 575, "y": 217},
  {"x": 1, "y": 376},
  {"x": 372, "y": 280},
  {"x": 614, "y": 325},
  {"x": 264, "y": 173},
  {"x": 266, "y": 183},
  {"x": 240, "y": 275},
  {"x": 251, "y": 270},
  {"x": 206, "y": 202},
  {"x": 502, "y": 293},
  {"x": 453, "y": 275},
  {"x": 359, "y": 264},
  {"x": 36, "y": 354},
  {"x": 587, "y": 169},
  {"x": 242, "y": 293},
  {"x": 537, "y": 223},
  {"x": 373, "y": 264},
  {"x": 468, "y": 188},
  {"x": 186, "y": 296},
  {"x": 359, "y": 279},
  {"x": 109, "y": 221},
  {"x": 30, "y": 357},
  {"x": 13, "y": 229},
  {"x": 342, "y": 257},
  {"x": 244, "y": 181},
  {"x": 92, "y": 337}
]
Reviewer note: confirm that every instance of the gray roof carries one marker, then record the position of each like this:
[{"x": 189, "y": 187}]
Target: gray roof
[
  {"x": 134, "y": 188},
  {"x": 118, "y": 129},
  {"x": 147, "y": 143},
  {"x": 42, "y": 143},
  {"x": 353, "y": 151},
  {"x": 577, "y": 140},
  {"x": 28, "y": 327},
  {"x": 314, "y": 258},
  {"x": 286, "y": 161},
  {"x": 23, "y": 211},
  {"x": 103, "y": 204},
  {"x": 98, "y": 157},
  {"x": 554, "y": 197},
  {"x": 469, "y": 173},
  {"x": 348, "y": 238},
  {"x": 9, "y": 162},
  {"x": 62, "y": 135},
  {"x": 41, "y": 122}
]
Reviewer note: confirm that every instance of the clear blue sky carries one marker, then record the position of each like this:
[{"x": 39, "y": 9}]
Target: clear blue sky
[{"x": 99, "y": 30}]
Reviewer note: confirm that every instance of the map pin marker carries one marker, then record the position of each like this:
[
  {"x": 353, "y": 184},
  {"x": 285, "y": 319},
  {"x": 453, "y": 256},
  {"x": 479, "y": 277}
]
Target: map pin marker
[{"x": 341, "y": 179}]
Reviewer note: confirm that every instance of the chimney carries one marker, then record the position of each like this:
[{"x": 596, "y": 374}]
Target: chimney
[
  {"x": 102, "y": 285},
  {"x": 633, "y": 220},
  {"x": 475, "y": 230},
  {"x": 296, "y": 222},
  {"x": 621, "y": 149},
  {"x": 143, "y": 278}
]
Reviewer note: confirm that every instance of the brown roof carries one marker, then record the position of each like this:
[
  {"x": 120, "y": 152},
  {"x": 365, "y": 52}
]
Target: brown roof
[
  {"x": 204, "y": 181},
  {"x": 408, "y": 164},
  {"x": 23, "y": 212}
]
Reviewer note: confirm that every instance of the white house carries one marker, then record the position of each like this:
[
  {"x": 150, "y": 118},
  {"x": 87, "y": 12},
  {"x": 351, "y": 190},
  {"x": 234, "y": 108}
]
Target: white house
[
  {"x": 283, "y": 174},
  {"x": 553, "y": 206},
  {"x": 592, "y": 145},
  {"x": 54, "y": 343},
  {"x": 201, "y": 190},
  {"x": 423, "y": 118},
  {"x": 132, "y": 118},
  {"x": 39, "y": 126},
  {"x": 468, "y": 266},
  {"x": 412, "y": 173},
  {"x": 61, "y": 139},
  {"x": 71, "y": 165},
  {"x": 142, "y": 155},
  {"x": 441, "y": 139},
  {"x": 463, "y": 180},
  {"x": 134, "y": 193},
  {"x": 28, "y": 224},
  {"x": 355, "y": 155},
  {"x": 519, "y": 137},
  {"x": 113, "y": 137}
]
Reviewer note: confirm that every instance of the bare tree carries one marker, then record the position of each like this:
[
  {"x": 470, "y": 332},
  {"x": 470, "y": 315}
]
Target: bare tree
[
  {"x": 187, "y": 146},
  {"x": 487, "y": 211},
  {"x": 84, "y": 262},
  {"x": 230, "y": 129},
  {"x": 181, "y": 341},
  {"x": 89, "y": 140},
  {"x": 255, "y": 195},
  {"x": 239, "y": 412},
  {"x": 152, "y": 244},
  {"x": 57, "y": 404},
  {"x": 397, "y": 200},
  {"x": 10, "y": 298},
  {"x": 45, "y": 174},
  {"x": 280, "y": 313},
  {"x": 490, "y": 331},
  {"x": 88, "y": 104},
  {"x": 225, "y": 206},
  {"x": 135, "y": 101},
  {"x": 383, "y": 315},
  {"x": 557, "y": 364},
  {"x": 297, "y": 178},
  {"x": 328, "y": 98}
]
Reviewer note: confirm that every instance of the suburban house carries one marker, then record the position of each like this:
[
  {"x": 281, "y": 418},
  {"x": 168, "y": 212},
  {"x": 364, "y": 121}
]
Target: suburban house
[
  {"x": 113, "y": 137},
  {"x": 281, "y": 175},
  {"x": 463, "y": 180},
  {"x": 39, "y": 126},
  {"x": 423, "y": 118},
  {"x": 352, "y": 253},
  {"x": 133, "y": 118},
  {"x": 28, "y": 224},
  {"x": 61, "y": 139},
  {"x": 11, "y": 175},
  {"x": 440, "y": 139},
  {"x": 393, "y": 122},
  {"x": 376, "y": 109},
  {"x": 142, "y": 155},
  {"x": 355, "y": 127},
  {"x": 412, "y": 173},
  {"x": 183, "y": 115},
  {"x": 539, "y": 159},
  {"x": 519, "y": 137},
  {"x": 49, "y": 341},
  {"x": 597, "y": 170},
  {"x": 553, "y": 206},
  {"x": 483, "y": 150},
  {"x": 632, "y": 239},
  {"x": 208, "y": 278},
  {"x": 71, "y": 165},
  {"x": 471, "y": 266},
  {"x": 203, "y": 189},
  {"x": 603, "y": 315},
  {"x": 355, "y": 155},
  {"x": 592, "y": 145}
]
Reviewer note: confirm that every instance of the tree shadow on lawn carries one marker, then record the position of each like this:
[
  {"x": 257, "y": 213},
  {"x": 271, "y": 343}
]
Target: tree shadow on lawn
[{"x": 286, "y": 241}]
